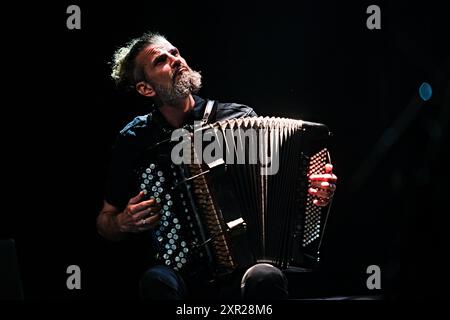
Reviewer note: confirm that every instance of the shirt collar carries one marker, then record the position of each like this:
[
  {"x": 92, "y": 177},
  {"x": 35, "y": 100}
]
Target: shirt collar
[{"x": 194, "y": 114}]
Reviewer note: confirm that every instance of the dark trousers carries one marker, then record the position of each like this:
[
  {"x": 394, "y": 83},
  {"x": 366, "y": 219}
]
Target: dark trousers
[{"x": 260, "y": 282}]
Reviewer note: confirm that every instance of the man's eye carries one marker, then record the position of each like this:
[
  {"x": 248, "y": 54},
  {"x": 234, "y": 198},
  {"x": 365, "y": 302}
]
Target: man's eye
[{"x": 159, "y": 60}]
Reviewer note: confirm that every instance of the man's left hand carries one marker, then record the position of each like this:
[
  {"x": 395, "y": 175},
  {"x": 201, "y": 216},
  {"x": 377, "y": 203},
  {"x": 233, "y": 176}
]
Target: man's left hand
[{"x": 323, "y": 186}]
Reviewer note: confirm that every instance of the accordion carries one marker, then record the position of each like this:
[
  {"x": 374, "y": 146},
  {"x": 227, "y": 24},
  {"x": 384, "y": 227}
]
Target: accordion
[{"x": 239, "y": 199}]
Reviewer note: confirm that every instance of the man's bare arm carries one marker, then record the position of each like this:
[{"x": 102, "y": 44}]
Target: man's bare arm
[
  {"x": 107, "y": 225},
  {"x": 138, "y": 216}
]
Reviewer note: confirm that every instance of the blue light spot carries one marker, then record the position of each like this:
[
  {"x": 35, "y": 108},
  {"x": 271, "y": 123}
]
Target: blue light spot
[{"x": 425, "y": 91}]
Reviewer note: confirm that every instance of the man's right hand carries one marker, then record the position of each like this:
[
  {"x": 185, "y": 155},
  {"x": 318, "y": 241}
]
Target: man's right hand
[{"x": 139, "y": 215}]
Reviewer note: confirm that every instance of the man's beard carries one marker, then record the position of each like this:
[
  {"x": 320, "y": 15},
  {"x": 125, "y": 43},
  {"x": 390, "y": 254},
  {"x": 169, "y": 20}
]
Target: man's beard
[{"x": 186, "y": 83}]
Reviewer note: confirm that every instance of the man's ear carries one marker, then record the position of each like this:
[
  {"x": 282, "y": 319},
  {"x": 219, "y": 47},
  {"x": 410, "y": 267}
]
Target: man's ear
[{"x": 145, "y": 89}]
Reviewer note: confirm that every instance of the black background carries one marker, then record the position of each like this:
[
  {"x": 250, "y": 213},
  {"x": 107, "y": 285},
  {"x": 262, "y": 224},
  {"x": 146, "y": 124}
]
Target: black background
[{"x": 313, "y": 60}]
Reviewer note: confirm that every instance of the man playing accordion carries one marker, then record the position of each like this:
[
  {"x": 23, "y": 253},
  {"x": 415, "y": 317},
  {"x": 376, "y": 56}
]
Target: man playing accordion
[{"x": 154, "y": 68}]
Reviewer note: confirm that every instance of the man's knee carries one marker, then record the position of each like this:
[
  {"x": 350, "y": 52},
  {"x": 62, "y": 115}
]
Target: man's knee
[
  {"x": 264, "y": 281},
  {"x": 161, "y": 283}
]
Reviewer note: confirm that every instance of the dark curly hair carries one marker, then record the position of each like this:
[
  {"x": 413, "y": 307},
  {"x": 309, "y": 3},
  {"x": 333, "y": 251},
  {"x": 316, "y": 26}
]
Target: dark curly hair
[{"x": 124, "y": 70}]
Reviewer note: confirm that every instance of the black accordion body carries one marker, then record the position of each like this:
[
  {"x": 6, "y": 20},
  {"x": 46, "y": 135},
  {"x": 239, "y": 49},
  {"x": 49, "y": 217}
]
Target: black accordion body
[{"x": 239, "y": 207}]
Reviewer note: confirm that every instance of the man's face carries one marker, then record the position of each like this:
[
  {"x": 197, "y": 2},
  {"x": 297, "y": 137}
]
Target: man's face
[{"x": 167, "y": 72}]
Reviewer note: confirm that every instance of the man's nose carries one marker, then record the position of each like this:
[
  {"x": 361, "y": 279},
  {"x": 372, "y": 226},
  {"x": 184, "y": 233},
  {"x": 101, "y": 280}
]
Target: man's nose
[{"x": 175, "y": 61}]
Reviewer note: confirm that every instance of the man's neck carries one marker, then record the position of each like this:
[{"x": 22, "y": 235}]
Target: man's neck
[{"x": 175, "y": 113}]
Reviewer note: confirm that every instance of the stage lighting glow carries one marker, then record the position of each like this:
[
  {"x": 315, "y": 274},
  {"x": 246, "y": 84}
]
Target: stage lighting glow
[{"x": 425, "y": 91}]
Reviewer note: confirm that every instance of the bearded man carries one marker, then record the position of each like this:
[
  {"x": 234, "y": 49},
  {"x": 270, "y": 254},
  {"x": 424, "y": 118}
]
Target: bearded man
[{"x": 153, "y": 67}]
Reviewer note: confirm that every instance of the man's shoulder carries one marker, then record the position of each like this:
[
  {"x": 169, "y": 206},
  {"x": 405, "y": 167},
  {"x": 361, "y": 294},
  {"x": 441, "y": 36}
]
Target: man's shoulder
[
  {"x": 231, "y": 110},
  {"x": 137, "y": 125}
]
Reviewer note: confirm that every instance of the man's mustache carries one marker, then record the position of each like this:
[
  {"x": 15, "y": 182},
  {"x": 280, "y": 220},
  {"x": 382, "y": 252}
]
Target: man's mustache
[{"x": 177, "y": 71}]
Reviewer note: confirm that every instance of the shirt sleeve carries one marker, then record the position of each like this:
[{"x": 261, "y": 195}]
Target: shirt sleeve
[
  {"x": 120, "y": 183},
  {"x": 120, "y": 174},
  {"x": 226, "y": 111},
  {"x": 251, "y": 113}
]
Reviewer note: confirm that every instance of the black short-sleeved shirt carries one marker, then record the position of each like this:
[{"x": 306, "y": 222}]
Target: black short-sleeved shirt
[
  {"x": 137, "y": 136},
  {"x": 143, "y": 132}
]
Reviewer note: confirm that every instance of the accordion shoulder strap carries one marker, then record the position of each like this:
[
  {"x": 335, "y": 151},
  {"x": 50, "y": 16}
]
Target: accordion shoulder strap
[{"x": 208, "y": 109}]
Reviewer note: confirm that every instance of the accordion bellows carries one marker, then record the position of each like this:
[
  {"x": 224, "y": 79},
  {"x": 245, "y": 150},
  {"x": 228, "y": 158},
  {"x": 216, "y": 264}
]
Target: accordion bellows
[{"x": 242, "y": 196}]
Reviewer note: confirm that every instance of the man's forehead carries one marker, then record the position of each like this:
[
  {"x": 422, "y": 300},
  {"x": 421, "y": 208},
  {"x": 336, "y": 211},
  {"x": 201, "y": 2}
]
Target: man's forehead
[{"x": 156, "y": 49}]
